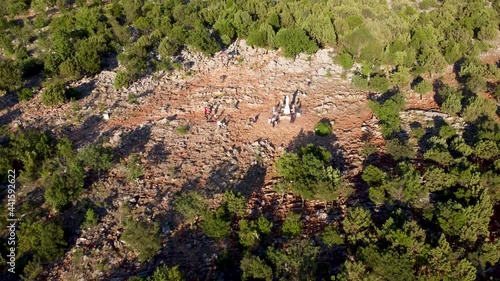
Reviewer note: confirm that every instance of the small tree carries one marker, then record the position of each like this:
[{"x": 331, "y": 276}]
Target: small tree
[
  {"x": 323, "y": 128},
  {"x": 331, "y": 236},
  {"x": 165, "y": 273},
  {"x": 294, "y": 42},
  {"x": 292, "y": 227},
  {"x": 54, "y": 93},
  {"x": 143, "y": 237},
  {"x": 423, "y": 87},
  {"x": 254, "y": 267},
  {"x": 190, "y": 205}
]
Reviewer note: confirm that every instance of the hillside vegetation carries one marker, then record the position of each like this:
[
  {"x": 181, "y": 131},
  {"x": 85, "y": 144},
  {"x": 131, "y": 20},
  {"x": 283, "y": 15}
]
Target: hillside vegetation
[{"x": 421, "y": 209}]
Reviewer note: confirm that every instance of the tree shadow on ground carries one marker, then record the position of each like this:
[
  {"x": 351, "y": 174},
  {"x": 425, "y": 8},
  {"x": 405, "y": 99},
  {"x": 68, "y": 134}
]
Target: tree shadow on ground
[
  {"x": 158, "y": 153},
  {"x": 8, "y": 100},
  {"x": 85, "y": 90},
  {"x": 10, "y": 116},
  {"x": 134, "y": 141}
]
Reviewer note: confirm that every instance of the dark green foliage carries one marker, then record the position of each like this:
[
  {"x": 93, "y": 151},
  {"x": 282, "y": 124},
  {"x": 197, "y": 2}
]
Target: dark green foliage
[
  {"x": 294, "y": 42},
  {"x": 90, "y": 218},
  {"x": 25, "y": 94},
  {"x": 307, "y": 173},
  {"x": 96, "y": 157},
  {"x": 331, "y": 236},
  {"x": 134, "y": 168},
  {"x": 298, "y": 262},
  {"x": 356, "y": 224},
  {"x": 165, "y": 273},
  {"x": 10, "y": 75},
  {"x": 214, "y": 225},
  {"x": 248, "y": 235},
  {"x": 423, "y": 87},
  {"x": 254, "y": 267},
  {"x": 379, "y": 84},
  {"x": 323, "y": 128},
  {"x": 373, "y": 175},
  {"x": 235, "y": 203},
  {"x": 292, "y": 227},
  {"x": 63, "y": 176},
  {"x": 388, "y": 113},
  {"x": 45, "y": 239},
  {"x": 54, "y": 93},
  {"x": 143, "y": 237},
  {"x": 478, "y": 106},
  {"x": 399, "y": 150},
  {"x": 345, "y": 60},
  {"x": 190, "y": 205}
]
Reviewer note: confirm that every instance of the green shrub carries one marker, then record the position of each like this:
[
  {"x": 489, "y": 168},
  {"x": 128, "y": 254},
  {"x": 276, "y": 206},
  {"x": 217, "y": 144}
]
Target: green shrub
[
  {"x": 255, "y": 268},
  {"x": 134, "y": 168},
  {"x": 388, "y": 113},
  {"x": 91, "y": 218},
  {"x": 235, "y": 203},
  {"x": 165, "y": 273},
  {"x": 294, "y": 42},
  {"x": 345, "y": 60},
  {"x": 10, "y": 75},
  {"x": 423, "y": 87},
  {"x": 452, "y": 104},
  {"x": 264, "y": 226},
  {"x": 373, "y": 175},
  {"x": 45, "y": 239},
  {"x": 292, "y": 227},
  {"x": 247, "y": 234},
  {"x": 360, "y": 82},
  {"x": 214, "y": 225},
  {"x": 399, "y": 150},
  {"x": 96, "y": 157},
  {"x": 182, "y": 130},
  {"x": 478, "y": 106},
  {"x": 122, "y": 79},
  {"x": 25, "y": 94},
  {"x": 331, "y": 236},
  {"x": 54, "y": 94},
  {"x": 323, "y": 128},
  {"x": 379, "y": 84},
  {"x": 190, "y": 205},
  {"x": 143, "y": 237}
]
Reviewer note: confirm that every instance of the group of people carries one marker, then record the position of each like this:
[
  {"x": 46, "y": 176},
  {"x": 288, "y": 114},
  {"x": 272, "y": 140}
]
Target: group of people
[
  {"x": 211, "y": 116},
  {"x": 285, "y": 108}
]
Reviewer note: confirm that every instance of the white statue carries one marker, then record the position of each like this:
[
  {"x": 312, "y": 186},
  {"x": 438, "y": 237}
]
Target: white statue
[{"x": 286, "y": 111}]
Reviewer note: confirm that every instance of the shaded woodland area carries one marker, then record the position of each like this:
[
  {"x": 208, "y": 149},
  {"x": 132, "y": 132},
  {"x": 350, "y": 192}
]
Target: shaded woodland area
[{"x": 423, "y": 208}]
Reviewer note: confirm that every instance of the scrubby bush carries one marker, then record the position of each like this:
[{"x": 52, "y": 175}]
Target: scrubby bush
[
  {"x": 423, "y": 87},
  {"x": 399, "y": 150},
  {"x": 214, "y": 225},
  {"x": 45, "y": 239},
  {"x": 331, "y": 236},
  {"x": 96, "y": 157},
  {"x": 323, "y": 128},
  {"x": 294, "y": 41},
  {"x": 165, "y": 273},
  {"x": 292, "y": 227},
  {"x": 388, "y": 113},
  {"x": 25, "y": 94},
  {"x": 190, "y": 205},
  {"x": 134, "y": 168},
  {"x": 143, "y": 237},
  {"x": 53, "y": 94},
  {"x": 379, "y": 84},
  {"x": 255, "y": 268}
]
